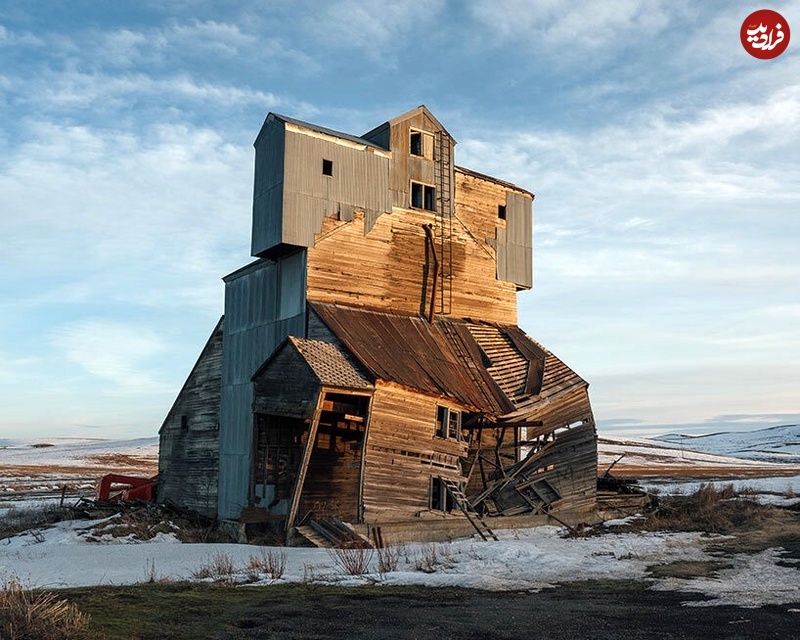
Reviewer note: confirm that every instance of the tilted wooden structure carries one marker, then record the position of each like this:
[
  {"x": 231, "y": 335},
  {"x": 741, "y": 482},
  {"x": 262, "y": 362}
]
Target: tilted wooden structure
[{"x": 369, "y": 367}]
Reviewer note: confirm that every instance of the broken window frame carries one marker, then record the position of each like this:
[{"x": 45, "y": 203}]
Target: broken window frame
[
  {"x": 439, "y": 498},
  {"x": 420, "y": 144},
  {"x": 448, "y": 423}
]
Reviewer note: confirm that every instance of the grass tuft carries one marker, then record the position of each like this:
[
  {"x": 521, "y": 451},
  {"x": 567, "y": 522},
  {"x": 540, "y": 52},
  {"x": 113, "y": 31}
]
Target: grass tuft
[
  {"x": 352, "y": 559},
  {"x": 37, "y": 615}
]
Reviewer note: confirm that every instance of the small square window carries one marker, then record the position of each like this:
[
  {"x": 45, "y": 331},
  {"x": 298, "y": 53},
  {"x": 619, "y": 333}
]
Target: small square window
[
  {"x": 184, "y": 422},
  {"x": 423, "y": 196},
  {"x": 327, "y": 167},
  {"x": 501, "y": 211}
]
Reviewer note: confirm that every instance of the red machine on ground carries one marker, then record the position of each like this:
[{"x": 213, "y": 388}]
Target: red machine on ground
[{"x": 114, "y": 487}]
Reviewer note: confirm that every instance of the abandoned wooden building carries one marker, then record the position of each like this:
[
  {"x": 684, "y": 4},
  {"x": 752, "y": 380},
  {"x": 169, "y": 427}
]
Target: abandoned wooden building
[{"x": 368, "y": 367}]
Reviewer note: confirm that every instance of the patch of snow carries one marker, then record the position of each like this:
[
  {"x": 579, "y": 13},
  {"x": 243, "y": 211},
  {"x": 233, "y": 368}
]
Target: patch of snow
[
  {"x": 752, "y": 581},
  {"x": 776, "y": 444},
  {"x": 776, "y": 485}
]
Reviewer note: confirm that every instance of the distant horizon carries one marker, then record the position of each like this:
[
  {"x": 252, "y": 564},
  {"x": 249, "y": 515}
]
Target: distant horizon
[{"x": 644, "y": 431}]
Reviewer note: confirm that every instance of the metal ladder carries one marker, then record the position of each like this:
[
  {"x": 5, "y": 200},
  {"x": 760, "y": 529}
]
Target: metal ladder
[
  {"x": 442, "y": 168},
  {"x": 473, "y": 516}
]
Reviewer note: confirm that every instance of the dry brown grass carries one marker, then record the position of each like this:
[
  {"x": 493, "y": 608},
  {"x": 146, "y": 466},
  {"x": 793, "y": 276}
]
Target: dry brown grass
[
  {"x": 37, "y": 615},
  {"x": 352, "y": 559},
  {"x": 19, "y": 520},
  {"x": 271, "y": 563},
  {"x": 709, "y": 509}
]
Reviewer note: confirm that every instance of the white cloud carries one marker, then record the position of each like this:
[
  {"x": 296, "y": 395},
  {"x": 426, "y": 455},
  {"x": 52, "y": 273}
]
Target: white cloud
[
  {"x": 371, "y": 26},
  {"x": 165, "y": 210},
  {"x": 564, "y": 28},
  {"x": 15, "y": 39},
  {"x": 99, "y": 91},
  {"x": 114, "y": 352}
]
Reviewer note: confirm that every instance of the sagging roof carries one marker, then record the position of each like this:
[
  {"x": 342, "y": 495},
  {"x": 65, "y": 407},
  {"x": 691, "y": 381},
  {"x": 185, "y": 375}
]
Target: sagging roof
[
  {"x": 439, "y": 358},
  {"x": 515, "y": 358},
  {"x": 495, "y": 369},
  {"x": 333, "y": 367}
]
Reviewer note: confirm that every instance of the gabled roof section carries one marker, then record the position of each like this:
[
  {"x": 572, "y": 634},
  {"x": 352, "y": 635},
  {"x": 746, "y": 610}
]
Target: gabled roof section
[
  {"x": 421, "y": 109},
  {"x": 332, "y": 366},
  {"x": 496, "y": 369},
  {"x": 315, "y": 127},
  {"x": 504, "y": 183},
  {"x": 440, "y": 358}
]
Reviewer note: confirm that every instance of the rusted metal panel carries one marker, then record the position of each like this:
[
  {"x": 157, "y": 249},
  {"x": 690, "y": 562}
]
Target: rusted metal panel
[{"x": 412, "y": 352}]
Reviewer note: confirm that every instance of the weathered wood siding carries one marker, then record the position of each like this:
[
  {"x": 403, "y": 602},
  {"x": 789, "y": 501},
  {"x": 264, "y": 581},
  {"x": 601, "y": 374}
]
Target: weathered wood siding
[
  {"x": 189, "y": 436},
  {"x": 406, "y": 167},
  {"x": 403, "y": 454},
  {"x": 477, "y": 202},
  {"x": 387, "y": 267},
  {"x": 331, "y": 487},
  {"x": 286, "y": 386}
]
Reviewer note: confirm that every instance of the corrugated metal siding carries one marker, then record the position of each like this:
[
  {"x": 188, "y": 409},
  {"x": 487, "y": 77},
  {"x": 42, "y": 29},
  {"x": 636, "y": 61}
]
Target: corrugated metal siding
[
  {"x": 360, "y": 180},
  {"x": 268, "y": 187},
  {"x": 515, "y": 243},
  {"x": 257, "y": 307}
]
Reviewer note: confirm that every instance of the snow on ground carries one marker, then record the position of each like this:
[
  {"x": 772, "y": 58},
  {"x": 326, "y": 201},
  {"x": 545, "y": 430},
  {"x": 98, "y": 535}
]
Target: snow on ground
[
  {"x": 641, "y": 452},
  {"x": 525, "y": 559},
  {"x": 74, "y": 452},
  {"x": 782, "y": 491},
  {"x": 776, "y": 444},
  {"x": 753, "y": 581}
]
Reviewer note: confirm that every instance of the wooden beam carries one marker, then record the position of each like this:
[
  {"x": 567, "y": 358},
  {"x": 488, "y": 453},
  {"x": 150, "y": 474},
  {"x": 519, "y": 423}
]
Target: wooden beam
[{"x": 301, "y": 473}]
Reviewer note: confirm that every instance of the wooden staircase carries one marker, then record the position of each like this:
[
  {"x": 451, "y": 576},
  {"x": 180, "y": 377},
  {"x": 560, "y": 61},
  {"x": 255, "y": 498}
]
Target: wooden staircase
[
  {"x": 474, "y": 518},
  {"x": 331, "y": 533}
]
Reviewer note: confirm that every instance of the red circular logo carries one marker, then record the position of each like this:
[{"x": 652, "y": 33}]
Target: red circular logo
[{"x": 765, "y": 34}]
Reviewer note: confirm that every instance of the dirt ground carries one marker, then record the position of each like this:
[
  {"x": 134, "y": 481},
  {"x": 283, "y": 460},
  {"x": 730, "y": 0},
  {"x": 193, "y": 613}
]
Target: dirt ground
[{"x": 587, "y": 610}]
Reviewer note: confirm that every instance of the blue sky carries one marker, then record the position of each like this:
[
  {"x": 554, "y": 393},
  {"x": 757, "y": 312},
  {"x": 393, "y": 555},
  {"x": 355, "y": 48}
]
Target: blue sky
[{"x": 665, "y": 162}]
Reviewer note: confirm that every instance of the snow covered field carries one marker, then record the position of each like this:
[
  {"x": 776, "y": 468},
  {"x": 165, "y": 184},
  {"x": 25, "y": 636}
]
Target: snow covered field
[{"x": 529, "y": 559}]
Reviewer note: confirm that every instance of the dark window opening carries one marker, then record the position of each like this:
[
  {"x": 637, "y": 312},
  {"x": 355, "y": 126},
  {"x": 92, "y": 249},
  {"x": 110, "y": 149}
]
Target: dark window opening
[
  {"x": 430, "y": 199},
  {"x": 501, "y": 211},
  {"x": 416, "y": 143},
  {"x": 440, "y": 498},
  {"x": 423, "y": 196},
  {"x": 448, "y": 423},
  {"x": 184, "y": 422},
  {"x": 327, "y": 167}
]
